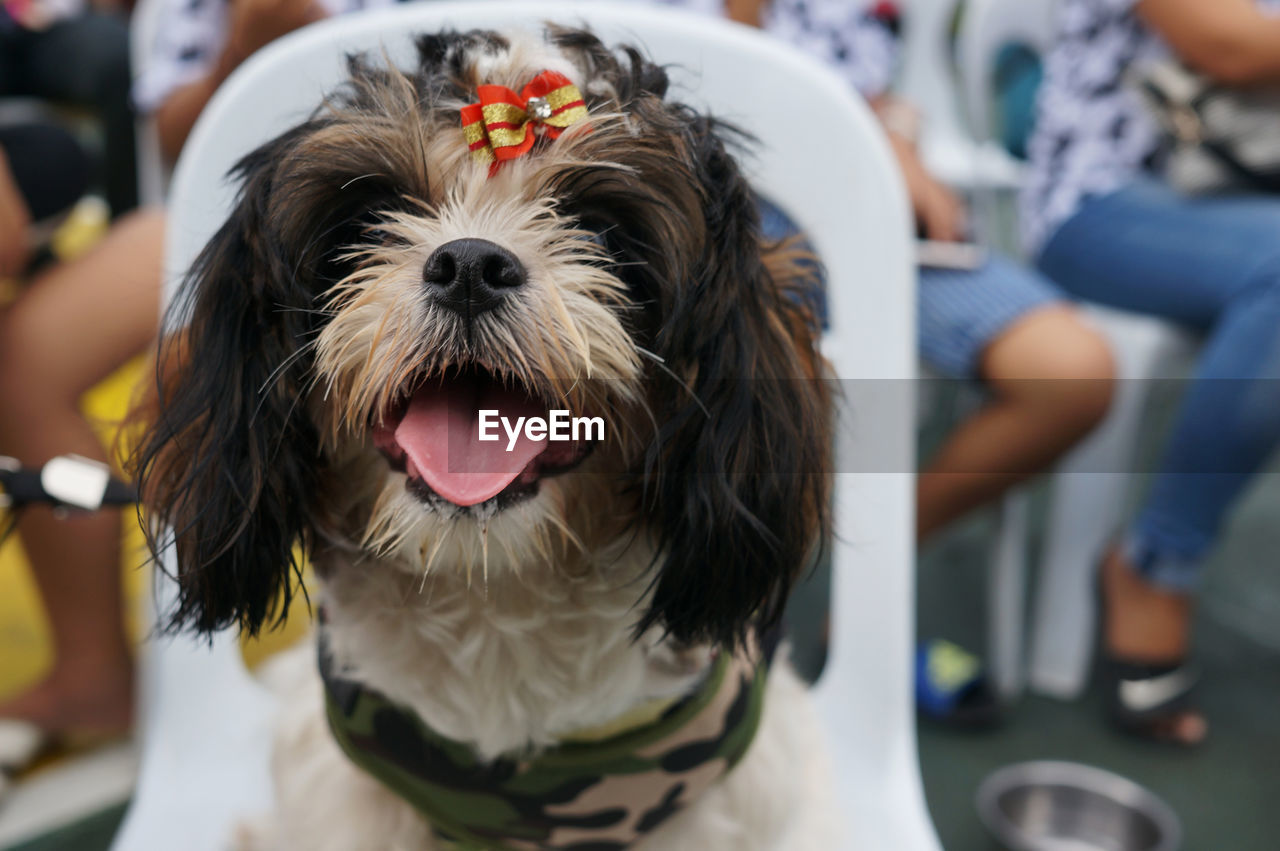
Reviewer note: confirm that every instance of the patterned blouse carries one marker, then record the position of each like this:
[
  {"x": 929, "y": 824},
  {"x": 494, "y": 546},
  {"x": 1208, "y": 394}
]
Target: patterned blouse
[
  {"x": 859, "y": 40},
  {"x": 1093, "y": 135},
  {"x": 190, "y": 35},
  {"x": 856, "y": 38}
]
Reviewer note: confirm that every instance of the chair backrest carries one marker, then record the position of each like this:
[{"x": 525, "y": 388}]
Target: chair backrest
[
  {"x": 851, "y": 205},
  {"x": 989, "y": 27},
  {"x": 926, "y": 80}
]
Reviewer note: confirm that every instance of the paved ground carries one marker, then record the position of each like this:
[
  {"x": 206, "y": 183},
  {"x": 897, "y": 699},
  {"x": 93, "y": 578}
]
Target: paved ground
[{"x": 1227, "y": 792}]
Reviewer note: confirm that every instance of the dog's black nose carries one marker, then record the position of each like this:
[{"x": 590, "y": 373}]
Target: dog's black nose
[{"x": 470, "y": 276}]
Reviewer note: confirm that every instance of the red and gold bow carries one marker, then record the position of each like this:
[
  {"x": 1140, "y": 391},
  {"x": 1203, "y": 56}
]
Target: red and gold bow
[{"x": 504, "y": 125}]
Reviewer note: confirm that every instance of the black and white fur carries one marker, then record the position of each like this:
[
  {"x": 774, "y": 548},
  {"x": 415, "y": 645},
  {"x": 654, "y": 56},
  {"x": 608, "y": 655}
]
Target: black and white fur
[{"x": 650, "y": 300}]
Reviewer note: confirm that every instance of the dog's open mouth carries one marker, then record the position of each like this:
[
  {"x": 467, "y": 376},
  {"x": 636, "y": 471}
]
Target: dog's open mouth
[{"x": 435, "y": 437}]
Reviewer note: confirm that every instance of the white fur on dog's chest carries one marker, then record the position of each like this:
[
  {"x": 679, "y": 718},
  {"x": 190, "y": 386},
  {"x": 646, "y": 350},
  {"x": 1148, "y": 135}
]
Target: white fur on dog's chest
[
  {"x": 505, "y": 668},
  {"x": 778, "y": 798}
]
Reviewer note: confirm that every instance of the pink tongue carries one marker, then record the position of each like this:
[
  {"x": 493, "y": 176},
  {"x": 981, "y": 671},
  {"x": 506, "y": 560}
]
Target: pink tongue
[{"x": 440, "y": 435}]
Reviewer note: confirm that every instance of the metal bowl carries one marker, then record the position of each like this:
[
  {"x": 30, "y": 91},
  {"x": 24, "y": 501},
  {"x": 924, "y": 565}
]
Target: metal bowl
[{"x": 1066, "y": 806}]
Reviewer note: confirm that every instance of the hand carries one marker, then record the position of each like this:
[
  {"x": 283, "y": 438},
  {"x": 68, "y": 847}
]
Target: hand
[
  {"x": 749, "y": 12},
  {"x": 940, "y": 214},
  {"x": 15, "y": 225},
  {"x": 257, "y": 23}
]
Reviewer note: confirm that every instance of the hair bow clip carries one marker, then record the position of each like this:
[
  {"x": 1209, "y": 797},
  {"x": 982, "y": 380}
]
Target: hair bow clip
[{"x": 504, "y": 124}]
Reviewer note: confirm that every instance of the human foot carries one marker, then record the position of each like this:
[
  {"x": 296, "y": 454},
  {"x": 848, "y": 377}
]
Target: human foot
[
  {"x": 1146, "y": 634},
  {"x": 93, "y": 702}
]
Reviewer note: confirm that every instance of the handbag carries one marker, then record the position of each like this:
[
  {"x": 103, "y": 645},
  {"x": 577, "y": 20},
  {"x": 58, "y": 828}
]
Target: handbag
[{"x": 1221, "y": 139}]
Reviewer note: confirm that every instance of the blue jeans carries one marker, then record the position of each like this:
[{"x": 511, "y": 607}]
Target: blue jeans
[{"x": 1212, "y": 264}]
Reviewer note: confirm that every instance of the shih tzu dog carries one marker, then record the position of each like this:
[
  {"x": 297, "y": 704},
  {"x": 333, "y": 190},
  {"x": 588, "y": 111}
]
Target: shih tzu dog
[{"x": 496, "y": 342}]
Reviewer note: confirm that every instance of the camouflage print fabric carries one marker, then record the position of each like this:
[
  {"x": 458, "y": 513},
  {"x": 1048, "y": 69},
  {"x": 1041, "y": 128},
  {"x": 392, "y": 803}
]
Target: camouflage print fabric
[{"x": 580, "y": 796}]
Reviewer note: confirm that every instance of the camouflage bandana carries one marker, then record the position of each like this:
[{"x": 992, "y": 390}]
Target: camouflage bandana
[{"x": 579, "y": 796}]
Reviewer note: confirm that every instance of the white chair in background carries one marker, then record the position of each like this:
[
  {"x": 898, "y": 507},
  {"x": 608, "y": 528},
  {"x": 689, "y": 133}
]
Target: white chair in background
[
  {"x": 1087, "y": 496},
  {"x": 205, "y": 727},
  {"x": 927, "y": 81},
  {"x": 988, "y": 27},
  {"x": 924, "y": 82},
  {"x": 981, "y": 169}
]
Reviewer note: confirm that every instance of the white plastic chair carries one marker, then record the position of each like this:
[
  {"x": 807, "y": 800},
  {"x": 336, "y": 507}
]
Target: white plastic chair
[
  {"x": 987, "y": 27},
  {"x": 1087, "y": 496},
  {"x": 927, "y": 81},
  {"x": 981, "y": 169},
  {"x": 205, "y": 747}
]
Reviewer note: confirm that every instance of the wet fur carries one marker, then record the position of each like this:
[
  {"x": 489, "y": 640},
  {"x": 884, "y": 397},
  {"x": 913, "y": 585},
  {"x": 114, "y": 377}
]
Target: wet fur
[{"x": 651, "y": 301}]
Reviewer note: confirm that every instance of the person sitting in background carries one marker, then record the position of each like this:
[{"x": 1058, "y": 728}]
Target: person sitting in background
[
  {"x": 199, "y": 44},
  {"x": 69, "y": 327},
  {"x": 77, "y": 53},
  {"x": 107, "y": 303},
  {"x": 30, "y": 191},
  {"x": 1047, "y": 372},
  {"x": 1104, "y": 223}
]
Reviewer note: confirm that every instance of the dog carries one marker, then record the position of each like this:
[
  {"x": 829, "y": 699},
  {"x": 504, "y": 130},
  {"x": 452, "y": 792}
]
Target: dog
[{"x": 524, "y": 643}]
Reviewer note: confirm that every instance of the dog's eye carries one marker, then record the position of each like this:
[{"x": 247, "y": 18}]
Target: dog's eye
[
  {"x": 380, "y": 236},
  {"x": 594, "y": 232}
]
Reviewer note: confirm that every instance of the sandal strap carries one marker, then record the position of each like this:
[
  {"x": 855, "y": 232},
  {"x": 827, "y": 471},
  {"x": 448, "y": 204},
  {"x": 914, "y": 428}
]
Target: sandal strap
[{"x": 1143, "y": 692}]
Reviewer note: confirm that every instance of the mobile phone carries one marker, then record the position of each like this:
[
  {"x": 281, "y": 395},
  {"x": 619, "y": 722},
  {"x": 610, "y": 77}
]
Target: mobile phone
[{"x": 957, "y": 256}]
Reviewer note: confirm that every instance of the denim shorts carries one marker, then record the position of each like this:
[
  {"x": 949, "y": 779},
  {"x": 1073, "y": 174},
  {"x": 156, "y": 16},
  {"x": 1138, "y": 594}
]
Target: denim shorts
[{"x": 960, "y": 312}]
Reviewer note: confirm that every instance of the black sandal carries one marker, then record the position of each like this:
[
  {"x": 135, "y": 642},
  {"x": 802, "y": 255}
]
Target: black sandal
[
  {"x": 1151, "y": 701},
  {"x": 1143, "y": 699}
]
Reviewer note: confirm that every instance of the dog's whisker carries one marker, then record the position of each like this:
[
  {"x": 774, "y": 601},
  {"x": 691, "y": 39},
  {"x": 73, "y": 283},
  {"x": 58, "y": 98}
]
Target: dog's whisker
[
  {"x": 662, "y": 366},
  {"x": 310, "y": 244},
  {"x": 361, "y": 177},
  {"x": 426, "y": 568},
  {"x": 569, "y": 536},
  {"x": 569, "y": 328},
  {"x": 305, "y": 311},
  {"x": 484, "y": 549},
  {"x": 284, "y": 365}
]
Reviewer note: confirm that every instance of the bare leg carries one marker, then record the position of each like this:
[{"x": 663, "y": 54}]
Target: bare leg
[
  {"x": 70, "y": 329},
  {"x": 1050, "y": 377}
]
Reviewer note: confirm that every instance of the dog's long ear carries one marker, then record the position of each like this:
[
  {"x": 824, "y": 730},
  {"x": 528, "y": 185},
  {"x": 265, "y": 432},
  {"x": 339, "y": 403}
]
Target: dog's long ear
[
  {"x": 230, "y": 464},
  {"x": 743, "y": 453}
]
